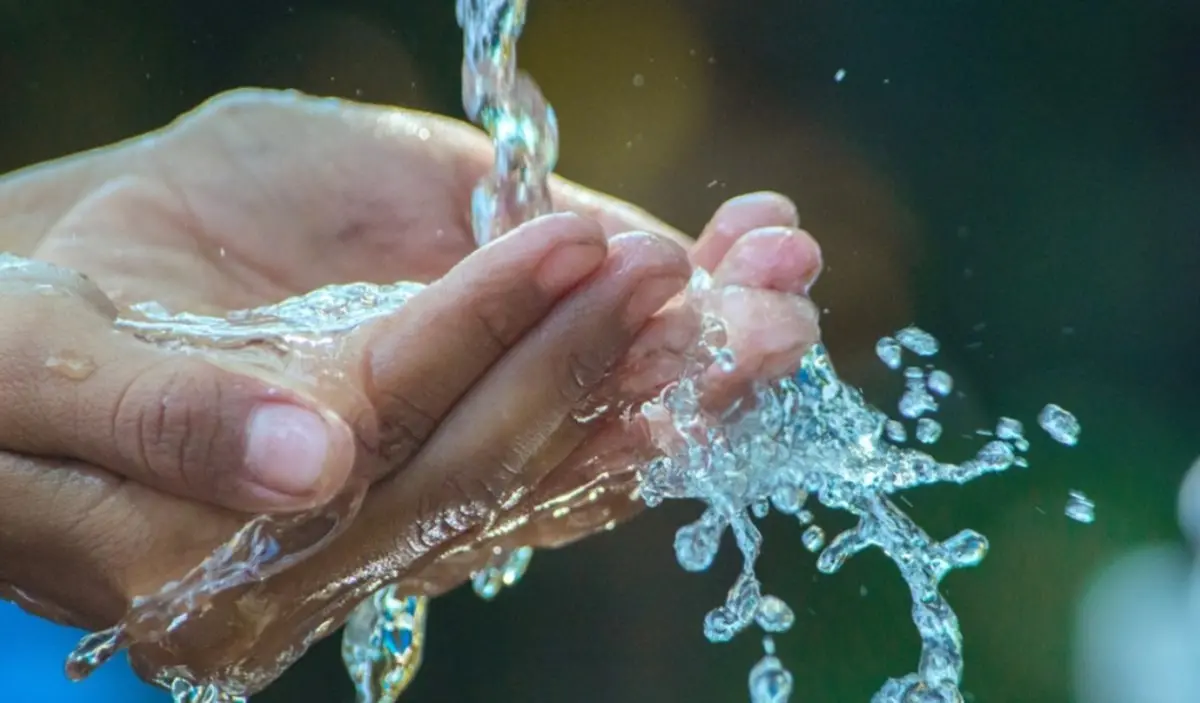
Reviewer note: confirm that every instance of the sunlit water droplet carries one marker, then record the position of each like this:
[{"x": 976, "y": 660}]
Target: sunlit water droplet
[
  {"x": 813, "y": 538},
  {"x": 1059, "y": 424},
  {"x": 770, "y": 682},
  {"x": 1080, "y": 508},
  {"x": 71, "y": 365},
  {"x": 940, "y": 382},
  {"x": 889, "y": 352},
  {"x": 503, "y": 570},
  {"x": 918, "y": 341},
  {"x": 928, "y": 430}
]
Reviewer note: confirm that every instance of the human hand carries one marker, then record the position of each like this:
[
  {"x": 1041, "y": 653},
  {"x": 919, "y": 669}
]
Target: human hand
[{"x": 460, "y": 406}]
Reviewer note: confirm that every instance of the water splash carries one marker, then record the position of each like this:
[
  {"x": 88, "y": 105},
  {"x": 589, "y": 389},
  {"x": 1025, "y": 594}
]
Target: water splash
[
  {"x": 524, "y": 132},
  {"x": 383, "y": 643},
  {"x": 813, "y": 436}
]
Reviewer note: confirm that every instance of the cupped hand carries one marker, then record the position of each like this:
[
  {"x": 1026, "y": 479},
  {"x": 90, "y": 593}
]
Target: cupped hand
[{"x": 127, "y": 462}]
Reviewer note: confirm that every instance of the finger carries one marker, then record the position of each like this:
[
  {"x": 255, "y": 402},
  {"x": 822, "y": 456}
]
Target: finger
[
  {"x": 78, "y": 543},
  {"x": 76, "y": 388},
  {"x": 737, "y": 217},
  {"x": 783, "y": 259},
  {"x": 424, "y": 358},
  {"x": 485, "y": 448}
]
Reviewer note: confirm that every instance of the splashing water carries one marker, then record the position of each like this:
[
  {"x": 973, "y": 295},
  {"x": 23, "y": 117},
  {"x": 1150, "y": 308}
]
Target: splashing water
[
  {"x": 806, "y": 436},
  {"x": 812, "y": 436}
]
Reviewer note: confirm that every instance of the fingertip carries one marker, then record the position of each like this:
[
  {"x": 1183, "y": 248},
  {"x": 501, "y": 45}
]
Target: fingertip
[
  {"x": 657, "y": 254},
  {"x": 784, "y": 259},
  {"x": 738, "y": 216}
]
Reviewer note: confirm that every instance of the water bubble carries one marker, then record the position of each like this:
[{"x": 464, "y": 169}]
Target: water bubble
[
  {"x": 813, "y": 538},
  {"x": 928, "y": 430},
  {"x": 1059, "y": 424},
  {"x": 1080, "y": 508},
  {"x": 889, "y": 351}
]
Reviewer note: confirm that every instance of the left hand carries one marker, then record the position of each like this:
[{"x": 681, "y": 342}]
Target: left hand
[{"x": 259, "y": 197}]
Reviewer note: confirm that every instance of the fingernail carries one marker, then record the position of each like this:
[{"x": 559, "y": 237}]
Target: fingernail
[
  {"x": 649, "y": 297},
  {"x": 779, "y": 258},
  {"x": 763, "y": 209},
  {"x": 287, "y": 448},
  {"x": 567, "y": 265}
]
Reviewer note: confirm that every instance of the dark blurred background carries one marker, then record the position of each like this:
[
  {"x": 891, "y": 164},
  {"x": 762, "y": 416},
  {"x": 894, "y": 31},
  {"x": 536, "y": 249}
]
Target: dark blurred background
[{"x": 1022, "y": 178}]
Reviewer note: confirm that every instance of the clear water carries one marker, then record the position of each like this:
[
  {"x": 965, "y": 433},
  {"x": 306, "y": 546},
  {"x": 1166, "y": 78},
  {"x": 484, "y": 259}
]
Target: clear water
[
  {"x": 809, "y": 437},
  {"x": 812, "y": 437}
]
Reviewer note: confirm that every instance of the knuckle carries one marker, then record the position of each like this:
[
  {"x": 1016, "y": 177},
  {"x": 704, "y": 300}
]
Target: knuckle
[
  {"x": 496, "y": 324},
  {"x": 403, "y": 426},
  {"x": 168, "y": 421},
  {"x": 580, "y": 372}
]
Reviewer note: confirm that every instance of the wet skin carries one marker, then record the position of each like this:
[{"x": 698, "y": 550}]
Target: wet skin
[{"x": 459, "y": 410}]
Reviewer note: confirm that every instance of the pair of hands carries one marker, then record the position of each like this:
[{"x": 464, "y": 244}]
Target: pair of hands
[{"x": 123, "y": 464}]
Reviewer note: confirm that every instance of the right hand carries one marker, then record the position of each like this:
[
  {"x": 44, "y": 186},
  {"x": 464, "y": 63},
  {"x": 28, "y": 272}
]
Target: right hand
[{"x": 78, "y": 541}]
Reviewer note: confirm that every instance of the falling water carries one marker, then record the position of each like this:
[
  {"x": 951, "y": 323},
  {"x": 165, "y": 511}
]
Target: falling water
[{"x": 508, "y": 104}]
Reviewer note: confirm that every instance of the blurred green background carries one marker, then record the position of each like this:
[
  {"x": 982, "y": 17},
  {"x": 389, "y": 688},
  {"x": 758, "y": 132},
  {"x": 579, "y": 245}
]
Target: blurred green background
[{"x": 1021, "y": 178}]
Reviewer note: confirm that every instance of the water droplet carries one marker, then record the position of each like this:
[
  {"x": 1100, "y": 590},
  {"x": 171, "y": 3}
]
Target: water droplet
[
  {"x": 888, "y": 350},
  {"x": 813, "y": 538},
  {"x": 940, "y": 382},
  {"x": 1009, "y": 429},
  {"x": 918, "y": 341},
  {"x": 638, "y": 80},
  {"x": 774, "y": 615},
  {"x": 504, "y": 569},
  {"x": 839, "y": 76},
  {"x": 770, "y": 682},
  {"x": 928, "y": 430},
  {"x": 71, "y": 365},
  {"x": 1059, "y": 424},
  {"x": 1080, "y": 508},
  {"x": 895, "y": 431}
]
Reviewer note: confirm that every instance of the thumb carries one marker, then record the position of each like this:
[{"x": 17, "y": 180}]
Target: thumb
[{"x": 73, "y": 387}]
